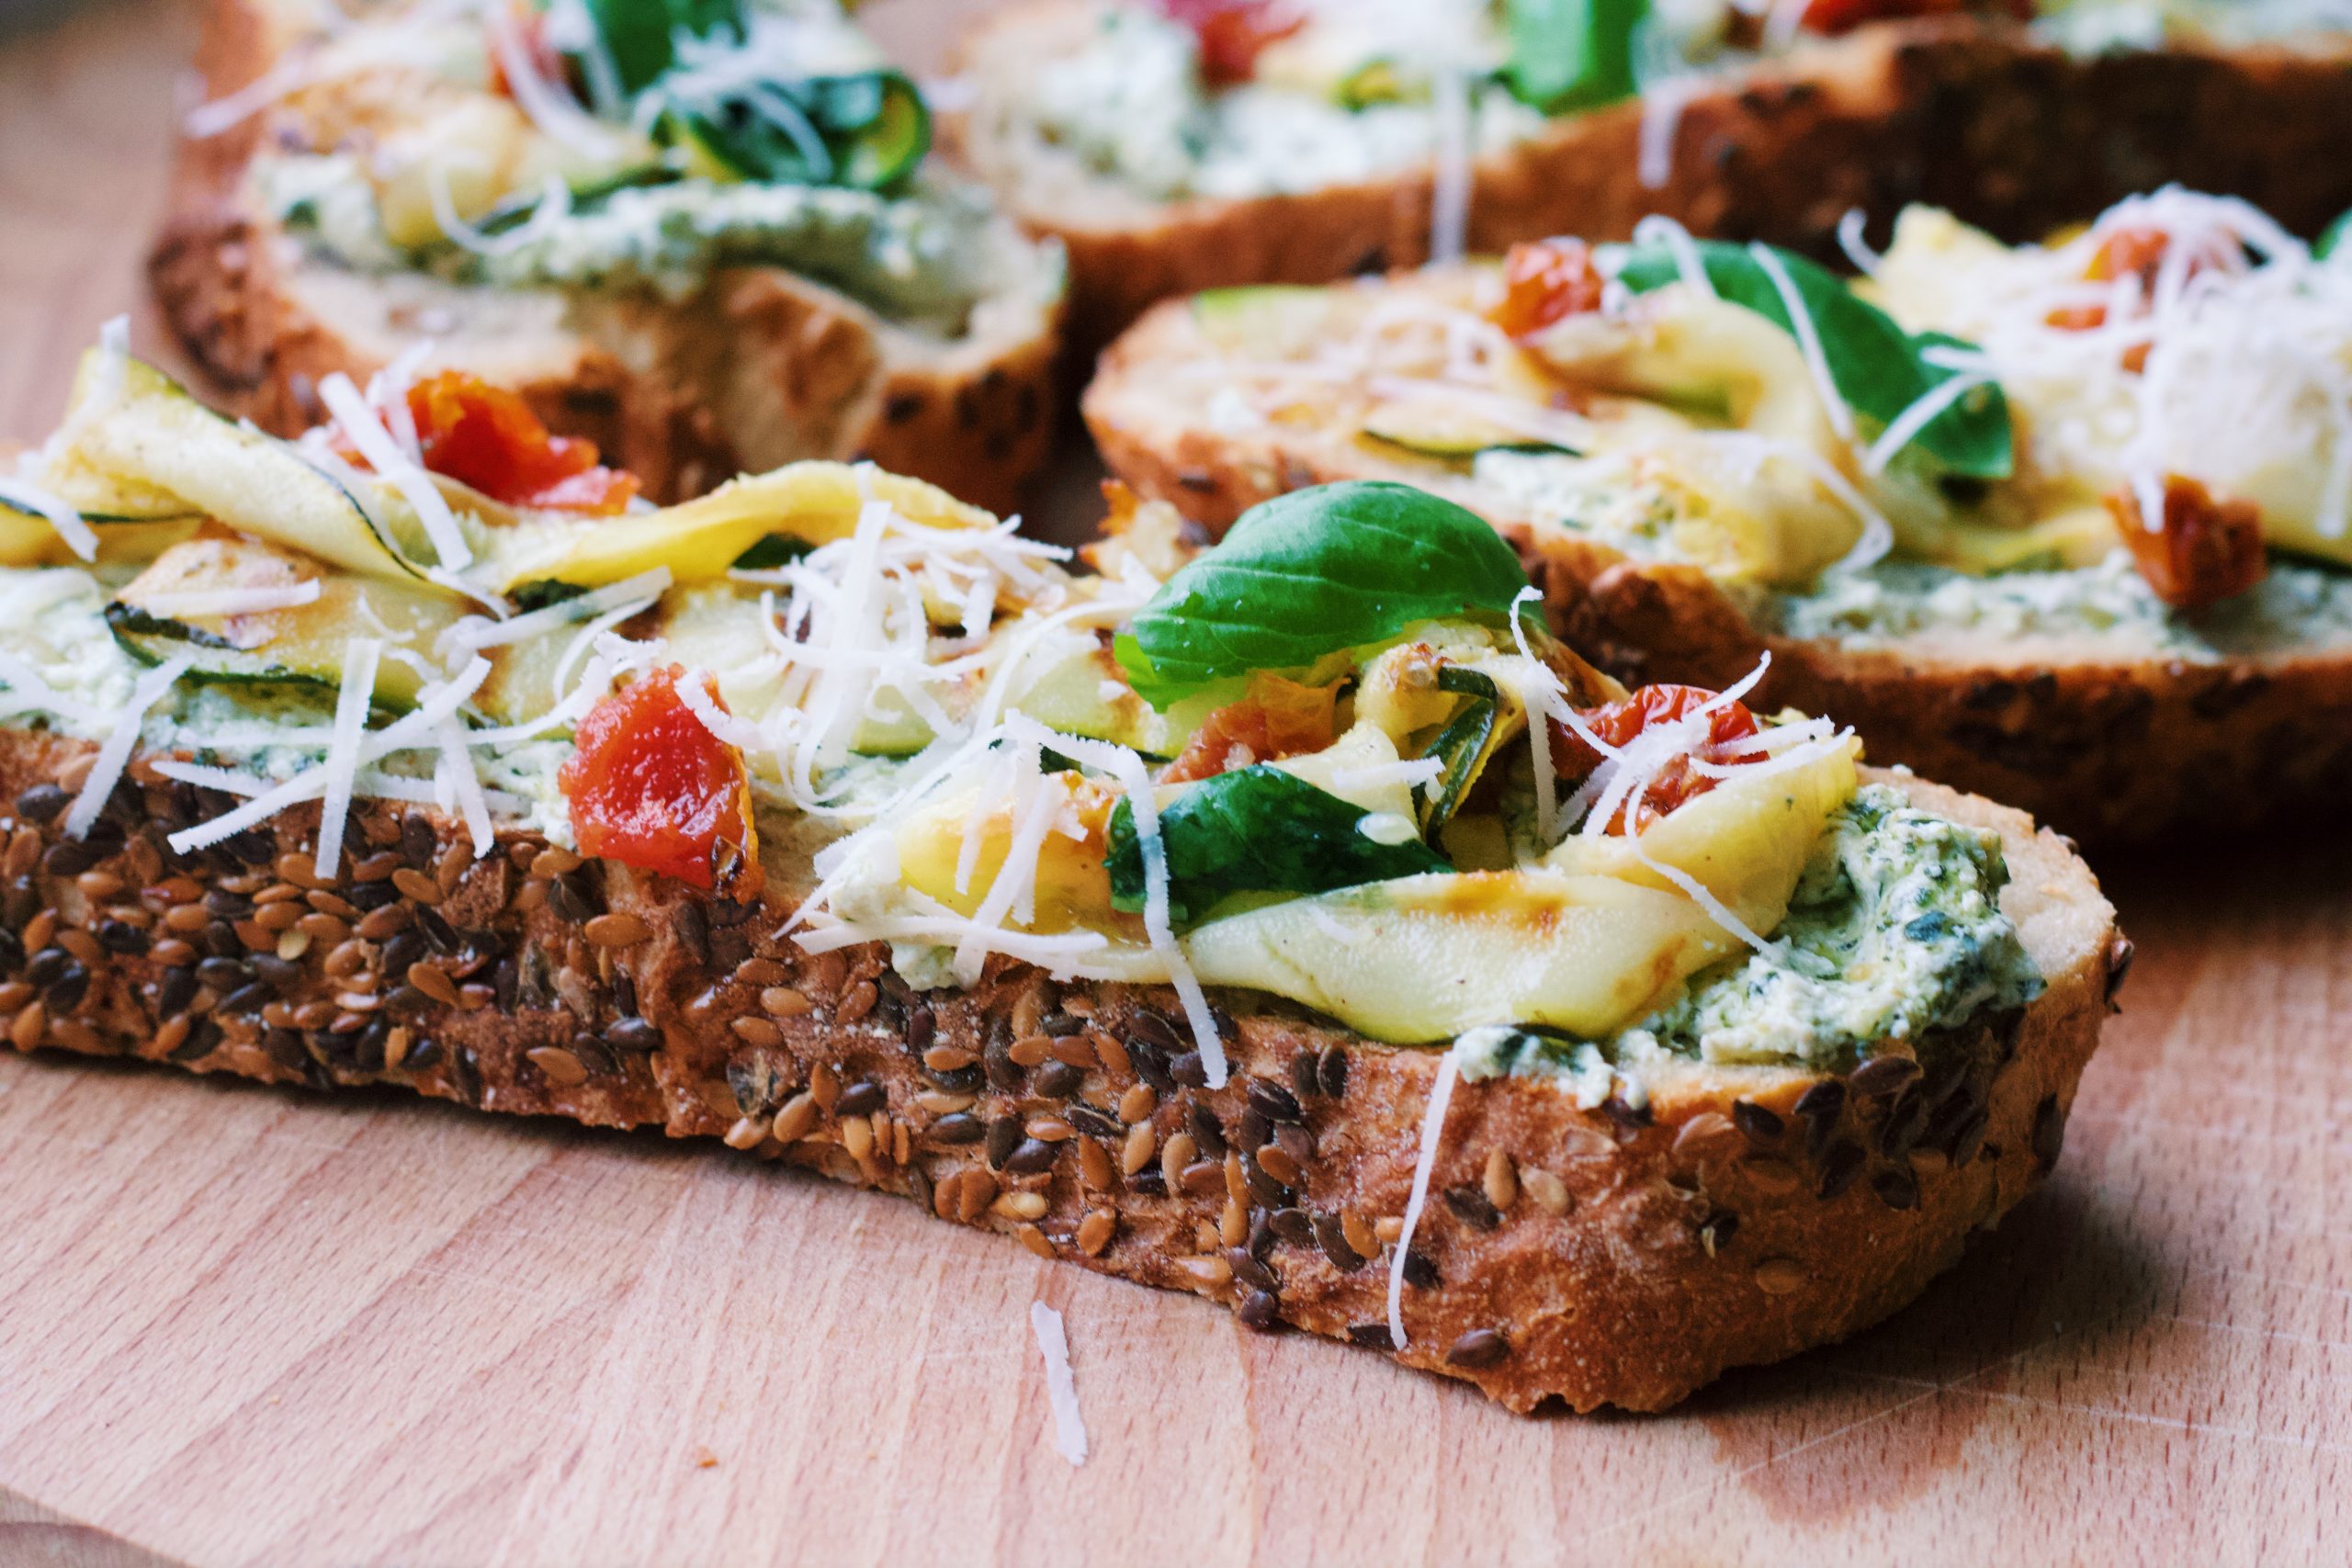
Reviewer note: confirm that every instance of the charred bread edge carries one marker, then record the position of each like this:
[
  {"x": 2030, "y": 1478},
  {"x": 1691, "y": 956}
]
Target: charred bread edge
[
  {"x": 1619, "y": 1256},
  {"x": 2010, "y": 133},
  {"x": 2106, "y": 749},
  {"x": 979, "y": 419}
]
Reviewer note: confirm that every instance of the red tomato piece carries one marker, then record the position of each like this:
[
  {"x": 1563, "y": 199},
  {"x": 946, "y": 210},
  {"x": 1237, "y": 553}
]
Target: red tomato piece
[
  {"x": 2205, "y": 550},
  {"x": 1233, "y": 33},
  {"x": 1844, "y": 16},
  {"x": 1620, "y": 724},
  {"x": 1544, "y": 282},
  {"x": 531, "y": 28},
  {"x": 488, "y": 437},
  {"x": 650, "y": 787},
  {"x": 1278, "y": 719}
]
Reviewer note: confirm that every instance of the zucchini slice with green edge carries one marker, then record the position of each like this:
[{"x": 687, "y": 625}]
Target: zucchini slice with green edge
[
  {"x": 154, "y": 434},
  {"x": 298, "y": 644},
  {"x": 1463, "y": 747},
  {"x": 1431, "y": 427},
  {"x": 865, "y": 131}
]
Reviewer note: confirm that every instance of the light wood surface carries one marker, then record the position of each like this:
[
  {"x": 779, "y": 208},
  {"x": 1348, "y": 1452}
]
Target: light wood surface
[{"x": 246, "y": 1326}]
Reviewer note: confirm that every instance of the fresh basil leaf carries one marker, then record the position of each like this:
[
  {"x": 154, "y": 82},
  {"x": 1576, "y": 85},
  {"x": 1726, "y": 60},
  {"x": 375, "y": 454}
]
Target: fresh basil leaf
[
  {"x": 1310, "y": 573},
  {"x": 1255, "y": 831},
  {"x": 2331, "y": 239},
  {"x": 1877, "y": 366},
  {"x": 1461, "y": 746},
  {"x": 639, "y": 36},
  {"x": 1572, "y": 54}
]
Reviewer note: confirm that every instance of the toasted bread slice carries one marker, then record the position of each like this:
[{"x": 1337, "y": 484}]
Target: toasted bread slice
[
  {"x": 1621, "y": 1258},
  {"x": 2098, "y": 743},
  {"x": 658, "y": 852},
  {"x": 758, "y": 367},
  {"x": 2009, "y": 131}
]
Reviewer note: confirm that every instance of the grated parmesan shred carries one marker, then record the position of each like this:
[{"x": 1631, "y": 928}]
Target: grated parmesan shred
[
  {"x": 364, "y": 426},
  {"x": 1448, "y": 1068},
  {"x": 352, "y": 700},
  {"x": 114, "y": 752},
  {"x": 1061, "y": 1385}
]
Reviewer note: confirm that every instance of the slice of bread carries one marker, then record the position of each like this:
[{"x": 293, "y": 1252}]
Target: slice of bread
[
  {"x": 2009, "y": 132},
  {"x": 759, "y": 367},
  {"x": 2096, "y": 744},
  {"x": 1610, "y": 1256}
]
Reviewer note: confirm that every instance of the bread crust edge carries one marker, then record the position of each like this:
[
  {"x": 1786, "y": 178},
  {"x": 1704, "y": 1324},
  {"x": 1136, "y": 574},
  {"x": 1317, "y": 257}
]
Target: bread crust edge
[{"x": 1620, "y": 1255}]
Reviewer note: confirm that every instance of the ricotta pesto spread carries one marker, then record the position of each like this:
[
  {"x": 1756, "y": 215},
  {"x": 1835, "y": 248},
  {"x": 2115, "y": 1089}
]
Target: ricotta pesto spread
[
  {"x": 1131, "y": 106},
  {"x": 2299, "y": 605},
  {"x": 53, "y": 629},
  {"x": 1896, "y": 932},
  {"x": 927, "y": 258}
]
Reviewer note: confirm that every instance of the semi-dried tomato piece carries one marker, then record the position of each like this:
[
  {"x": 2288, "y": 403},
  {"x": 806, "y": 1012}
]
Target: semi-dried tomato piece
[
  {"x": 1546, "y": 281},
  {"x": 2205, "y": 550},
  {"x": 488, "y": 437},
  {"x": 1844, "y": 16},
  {"x": 1620, "y": 724},
  {"x": 531, "y": 30},
  {"x": 1233, "y": 33},
  {"x": 650, "y": 787},
  {"x": 1278, "y": 719}
]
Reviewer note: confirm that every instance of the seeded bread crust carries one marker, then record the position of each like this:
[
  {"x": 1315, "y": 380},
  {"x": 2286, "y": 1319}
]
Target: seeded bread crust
[
  {"x": 759, "y": 368},
  {"x": 2105, "y": 748},
  {"x": 1617, "y": 1256},
  {"x": 2012, "y": 134}
]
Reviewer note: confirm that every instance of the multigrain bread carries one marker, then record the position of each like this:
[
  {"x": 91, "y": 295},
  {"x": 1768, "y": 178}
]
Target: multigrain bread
[
  {"x": 2101, "y": 742},
  {"x": 1981, "y": 117},
  {"x": 1610, "y": 1256},
  {"x": 758, "y": 367},
  {"x": 656, "y": 852}
]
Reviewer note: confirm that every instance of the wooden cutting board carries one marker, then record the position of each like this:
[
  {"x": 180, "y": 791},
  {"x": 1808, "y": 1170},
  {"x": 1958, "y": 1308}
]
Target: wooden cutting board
[{"x": 240, "y": 1326}]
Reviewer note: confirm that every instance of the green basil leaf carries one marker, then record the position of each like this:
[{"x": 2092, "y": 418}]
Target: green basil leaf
[
  {"x": 1877, "y": 366},
  {"x": 637, "y": 35},
  {"x": 2331, "y": 239},
  {"x": 1255, "y": 831},
  {"x": 1572, "y": 54},
  {"x": 1310, "y": 573}
]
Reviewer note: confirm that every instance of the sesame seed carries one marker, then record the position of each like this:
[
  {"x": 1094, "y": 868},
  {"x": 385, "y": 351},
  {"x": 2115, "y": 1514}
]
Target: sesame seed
[{"x": 1780, "y": 1276}]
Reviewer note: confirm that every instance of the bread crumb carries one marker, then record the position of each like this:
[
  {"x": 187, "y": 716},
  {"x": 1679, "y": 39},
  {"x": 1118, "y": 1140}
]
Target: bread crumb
[{"x": 705, "y": 1459}]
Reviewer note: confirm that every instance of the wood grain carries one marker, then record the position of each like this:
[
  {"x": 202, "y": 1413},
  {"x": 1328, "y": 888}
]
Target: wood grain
[{"x": 242, "y": 1327}]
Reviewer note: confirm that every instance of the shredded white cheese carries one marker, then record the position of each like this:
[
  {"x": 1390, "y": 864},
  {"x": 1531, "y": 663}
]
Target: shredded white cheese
[
  {"x": 27, "y": 496},
  {"x": 352, "y": 700},
  {"x": 1449, "y": 1068},
  {"x": 1061, "y": 1387},
  {"x": 114, "y": 752},
  {"x": 216, "y": 602},
  {"x": 364, "y": 426}
]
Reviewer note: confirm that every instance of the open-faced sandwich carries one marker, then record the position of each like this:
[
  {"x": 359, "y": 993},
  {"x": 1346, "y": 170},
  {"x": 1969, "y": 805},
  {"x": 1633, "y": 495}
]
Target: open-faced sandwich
[
  {"x": 1306, "y": 930},
  {"x": 2062, "y": 525},
  {"x": 702, "y": 233},
  {"x": 1176, "y": 145}
]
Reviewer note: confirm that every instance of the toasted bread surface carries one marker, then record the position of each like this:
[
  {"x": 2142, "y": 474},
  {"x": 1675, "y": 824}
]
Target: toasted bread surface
[
  {"x": 2009, "y": 132},
  {"x": 757, "y": 368},
  {"x": 2101, "y": 746},
  {"x": 1611, "y": 1256}
]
